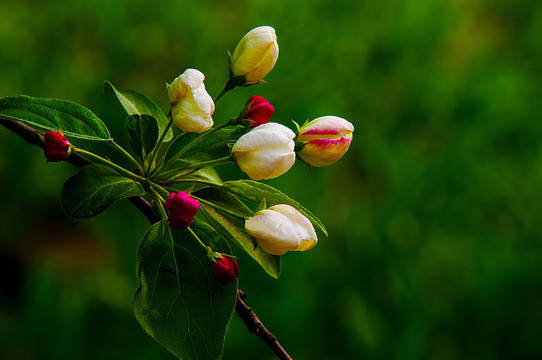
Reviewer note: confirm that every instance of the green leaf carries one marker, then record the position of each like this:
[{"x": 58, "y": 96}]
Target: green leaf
[
  {"x": 206, "y": 174},
  {"x": 189, "y": 149},
  {"x": 233, "y": 229},
  {"x": 178, "y": 144},
  {"x": 254, "y": 191},
  {"x": 94, "y": 188},
  {"x": 72, "y": 119},
  {"x": 136, "y": 103},
  {"x": 141, "y": 133},
  {"x": 178, "y": 302}
]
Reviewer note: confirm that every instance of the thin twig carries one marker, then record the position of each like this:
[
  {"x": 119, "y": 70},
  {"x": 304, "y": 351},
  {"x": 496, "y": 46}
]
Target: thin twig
[
  {"x": 35, "y": 137},
  {"x": 255, "y": 326},
  {"x": 251, "y": 320}
]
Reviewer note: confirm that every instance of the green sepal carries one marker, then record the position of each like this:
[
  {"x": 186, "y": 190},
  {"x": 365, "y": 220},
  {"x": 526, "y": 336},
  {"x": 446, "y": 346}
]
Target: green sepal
[
  {"x": 237, "y": 81},
  {"x": 72, "y": 119},
  {"x": 230, "y": 70},
  {"x": 261, "y": 206},
  {"x": 240, "y": 119},
  {"x": 94, "y": 188},
  {"x": 135, "y": 103},
  {"x": 179, "y": 303},
  {"x": 297, "y": 128}
]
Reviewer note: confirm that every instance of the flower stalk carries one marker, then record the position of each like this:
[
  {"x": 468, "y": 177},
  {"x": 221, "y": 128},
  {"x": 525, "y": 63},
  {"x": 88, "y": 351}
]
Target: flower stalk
[
  {"x": 152, "y": 156},
  {"x": 230, "y": 85},
  {"x": 114, "y": 166},
  {"x": 222, "y": 209},
  {"x": 127, "y": 155},
  {"x": 192, "y": 168},
  {"x": 189, "y": 146}
]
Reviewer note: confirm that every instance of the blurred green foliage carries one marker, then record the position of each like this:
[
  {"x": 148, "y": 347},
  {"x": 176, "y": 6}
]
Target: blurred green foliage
[{"x": 434, "y": 214}]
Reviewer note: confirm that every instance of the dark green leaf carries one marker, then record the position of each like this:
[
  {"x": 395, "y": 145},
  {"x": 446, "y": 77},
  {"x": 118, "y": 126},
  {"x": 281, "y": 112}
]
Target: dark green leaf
[
  {"x": 94, "y": 188},
  {"x": 189, "y": 148},
  {"x": 179, "y": 143},
  {"x": 136, "y": 103},
  {"x": 233, "y": 228},
  {"x": 179, "y": 302},
  {"x": 72, "y": 119},
  {"x": 254, "y": 191},
  {"x": 141, "y": 133}
]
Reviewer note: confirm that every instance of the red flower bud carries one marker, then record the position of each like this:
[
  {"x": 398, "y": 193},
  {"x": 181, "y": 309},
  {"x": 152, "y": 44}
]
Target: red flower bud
[
  {"x": 259, "y": 111},
  {"x": 182, "y": 209},
  {"x": 55, "y": 146},
  {"x": 225, "y": 269}
]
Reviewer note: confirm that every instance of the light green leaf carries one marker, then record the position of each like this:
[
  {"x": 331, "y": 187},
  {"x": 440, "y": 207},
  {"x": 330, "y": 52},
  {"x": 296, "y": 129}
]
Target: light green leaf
[
  {"x": 94, "y": 188},
  {"x": 179, "y": 302},
  {"x": 254, "y": 191},
  {"x": 206, "y": 174},
  {"x": 72, "y": 119},
  {"x": 141, "y": 133},
  {"x": 233, "y": 229},
  {"x": 136, "y": 103}
]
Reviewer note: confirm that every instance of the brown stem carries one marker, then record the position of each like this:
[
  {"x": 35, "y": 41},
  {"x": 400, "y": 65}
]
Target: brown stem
[
  {"x": 35, "y": 137},
  {"x": 251, "y": 320},
  {"x": 255, "y": 326}
]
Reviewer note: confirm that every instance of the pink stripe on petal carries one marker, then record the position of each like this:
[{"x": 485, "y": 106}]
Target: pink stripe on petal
[
  {"x": 322, "y": 131},
  {"x": 326, "y": 143}
]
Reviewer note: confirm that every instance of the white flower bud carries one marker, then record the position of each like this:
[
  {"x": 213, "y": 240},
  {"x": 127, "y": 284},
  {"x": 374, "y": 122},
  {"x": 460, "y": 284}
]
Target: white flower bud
[
  {"x": 265, "y": 152},
  {"x": 255, "y": 55},
  {"x": 192, "y": 106},
  {"x": 281, "y": 228}
]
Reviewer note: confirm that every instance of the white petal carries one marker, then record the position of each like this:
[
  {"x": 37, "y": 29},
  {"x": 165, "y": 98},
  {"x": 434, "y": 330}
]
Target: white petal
[
  {"x": 265, "y": 135},
  {"x": 203, "y": 100},
  {"x": 273, "y": 232},
  {"x": 192, "y": 78},
  {"x": 303, "y": 226},
  {"x": 266, "y": 163}
]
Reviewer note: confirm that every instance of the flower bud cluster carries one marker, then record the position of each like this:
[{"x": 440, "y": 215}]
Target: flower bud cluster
[{"x": 265, "y": 151}]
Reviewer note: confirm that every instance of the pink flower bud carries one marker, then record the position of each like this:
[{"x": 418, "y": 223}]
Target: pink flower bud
[
  {"x": 259, "y": 111},
  {"x": 182, "y": 209},
  {"x": 55, "y": 146},
  {"x": 225, "y": 269},
  {"x": 324, "y": 140}
]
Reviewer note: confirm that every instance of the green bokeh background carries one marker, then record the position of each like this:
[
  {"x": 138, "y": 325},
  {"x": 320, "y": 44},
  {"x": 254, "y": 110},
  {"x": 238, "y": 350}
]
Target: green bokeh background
[{"x": 434, "y": 214}]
